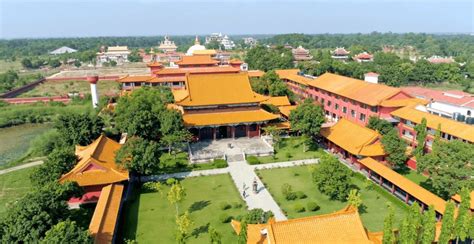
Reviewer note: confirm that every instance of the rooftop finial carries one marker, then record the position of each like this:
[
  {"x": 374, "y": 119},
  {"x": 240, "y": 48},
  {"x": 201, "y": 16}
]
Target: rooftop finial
[{"x": 196, "y": 41}]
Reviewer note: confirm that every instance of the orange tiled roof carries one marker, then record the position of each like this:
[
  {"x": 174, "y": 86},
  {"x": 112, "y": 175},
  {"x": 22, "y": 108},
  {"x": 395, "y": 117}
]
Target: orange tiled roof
[
  {"x": 255, "y": 73},
  {"x": 104, "y": 219},
  {"x": 135, "y": 78},
  {"x": 344, "y": 226},
  {"x": 205, "y": 52},
  {"x": 167, "y": 79},
  {"x": 154, "y": 64},
  {"x": 278, "y": 101},
  {"x": 452, "y": 127},
  {"x": 281, "y": 125},
  {"x": 96, "y": 164},
  {"x": 292, "y": 74},
  {"x": 457, "y": 198},
  {"x": 358, "y": 90},
  {"x": 218, "y": 89},
  {"x": 197, "y": 59},
  {"x": 236, "y": 61},
  {"x": 356, "y": 139},
  {"x": 197, "y": 70},
  {"x": 285, "y": 110},
  {"x": 405, "y": 184},
  {"x": 404, "y": 102},
  {"x": 227, "y": 117}
]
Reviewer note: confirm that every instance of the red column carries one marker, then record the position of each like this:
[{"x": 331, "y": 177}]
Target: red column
[
  {"x": 393, "y": 188},
  {"x": 381, "y": 180},
  {"x": 407, "y": 197},
  {"x": 232, "y": 131},
  {"x": 214, "y": 132},
  {"x": 247, "y": 130},
  {"x": 258, "y": 129},
  {"x": 199, "y": 133}
]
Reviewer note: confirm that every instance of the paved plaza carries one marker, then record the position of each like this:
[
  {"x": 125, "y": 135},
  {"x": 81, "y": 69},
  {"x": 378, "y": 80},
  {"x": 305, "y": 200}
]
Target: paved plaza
[{"x": 229, "y": 148}]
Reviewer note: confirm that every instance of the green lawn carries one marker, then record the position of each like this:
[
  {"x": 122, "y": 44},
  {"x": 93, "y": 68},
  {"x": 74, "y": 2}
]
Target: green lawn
[
  {"x": 13, "y": 185},
  {"x": 9, "y": 65},
  {"x": 291, "y": 149},
  {"x": 374, "y": 200},
  {"x": 151, "y": 219}
]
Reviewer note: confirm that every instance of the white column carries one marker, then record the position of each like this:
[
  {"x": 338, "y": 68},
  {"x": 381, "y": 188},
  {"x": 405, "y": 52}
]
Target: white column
[{"x": 95, "y": 95}]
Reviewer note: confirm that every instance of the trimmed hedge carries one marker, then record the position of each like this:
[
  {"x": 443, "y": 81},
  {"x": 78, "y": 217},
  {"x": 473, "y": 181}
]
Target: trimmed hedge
[
  {"x": 312, "y": 206},
  {"x": 253, "y": 160}
]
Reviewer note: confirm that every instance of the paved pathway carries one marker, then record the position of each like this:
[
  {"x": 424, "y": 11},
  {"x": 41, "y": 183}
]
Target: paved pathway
[
  {"x": 23, "y": 166},
  {"x": 243, "y": 173}
]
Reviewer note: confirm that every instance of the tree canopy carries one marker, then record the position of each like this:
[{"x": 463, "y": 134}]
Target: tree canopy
[
  {"x": 332, "y": 178},
  {"x": 396, "y": 148},
  {"x": 78, "y": 129},
  {"x": 266, "y": 59},
  {"x": 67, "y": 232},
  {"x": 307, "y": 118},
  {"x": 139, "y": 155}
]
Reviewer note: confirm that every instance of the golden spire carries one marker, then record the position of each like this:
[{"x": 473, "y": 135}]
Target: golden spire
[{"x": 196, "y": 42}]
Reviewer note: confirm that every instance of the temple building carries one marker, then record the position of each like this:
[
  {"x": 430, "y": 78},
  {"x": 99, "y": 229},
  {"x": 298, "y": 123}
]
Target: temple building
[
  {"x": 364, "y": 57},
  {"x": 167, "y": 46},
  {"x": 118, "y": 54},
  {"x": 340, "y": 53},
  {"x": 218, "y": 106},
  {"x": 440, "y": 60},
  {"x": 301, "y": 54},
  {"x": 345, "y": 97},
  {"x": 196, "y": 47},
  {"x": 103, "y": 182},
  {"x": 343, "y": 226}
]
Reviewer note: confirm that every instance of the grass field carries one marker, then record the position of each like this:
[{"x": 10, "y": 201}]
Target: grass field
[
  {"x": 56, "y": 88},
  {"x": 415, "y": 177},
  {"x": 291, "y": 149},
  {"x": 13, "y": 185},
  {"x": 374, "y": 200},
  {"x": 15, "y": 140},
  {"x": 151, "y": 219},
  {"x": 9, "y": 65}
]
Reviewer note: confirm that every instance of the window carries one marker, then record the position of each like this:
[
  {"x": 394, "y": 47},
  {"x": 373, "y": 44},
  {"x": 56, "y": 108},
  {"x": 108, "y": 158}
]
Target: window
[
  {"x": 329, "y": 103},
  {"x": 336, "y": 106},
  {"x": 374, "y": 109},
  {"x": 409, "y": 123},
  {"x": 362, "y": 117},
  {"x": 468, "y": 112},
  {"x": 353, "y": 113},
  {"x": 327, "y": 112},
  {"x": 363, "y": 105},
  {"x": 322, "y": 101},
  {"x": 344, "y": 109}
]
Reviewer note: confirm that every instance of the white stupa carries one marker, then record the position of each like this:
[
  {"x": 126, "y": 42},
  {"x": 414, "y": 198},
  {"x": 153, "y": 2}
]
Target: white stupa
[{"x": 196, "y": 47}]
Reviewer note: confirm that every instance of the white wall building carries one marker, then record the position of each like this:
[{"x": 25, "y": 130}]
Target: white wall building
[{"x": 119, "y": 54}]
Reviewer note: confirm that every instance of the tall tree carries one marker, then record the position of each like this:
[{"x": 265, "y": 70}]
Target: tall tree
[
  {"x": 307, "y": 118},
  {"x": 447, "y": 227},
  {"x": 243, "y": 233},
  {"x": 429, "y": 226},
  {"x": 214, "y": 236},
  {"x": 332, "y": 178},
  {"x": 78, "y": 129},
  {"x": 449, "y": 166},
  {"x": 139, "y": 155},
  {"x": 421, "y": 134},
  {"x": 176, "y": 195},
  {"x": 183, "y": 223},
  {"x": 58, "y": 162},
  {"x": 388, "y": 233},
  {"x": 464, "y": 215},
  {"x": 380, "y": 125},
  {"x": 67, "y": 232},
  {"x": 139, "y": 113},
  {"x": 354, "y": 198},
  {"x": 395, "y": 147},
  {"x": 173, "y": 133}
]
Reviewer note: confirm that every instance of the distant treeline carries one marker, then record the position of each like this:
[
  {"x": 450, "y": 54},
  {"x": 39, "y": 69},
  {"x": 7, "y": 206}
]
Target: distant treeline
[{"x": 460, "y": 46}]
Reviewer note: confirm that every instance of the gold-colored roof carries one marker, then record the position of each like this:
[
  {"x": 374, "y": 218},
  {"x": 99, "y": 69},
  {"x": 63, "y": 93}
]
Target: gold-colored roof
[
  {"x": 285, "y": 110},
  {"x": 218, "y": 89},
  {"x": 104, "y": 219},
  {"x": 344, "y": 226},
  {"x": 405, "y": 184},
  {"x": 224, "y": 117},
  {"x": 197, "y": 70},
  {"x": 197, "y": 60},
  {"x": 255, "y": 73},
  {"x": 205, "y": 52},
  {"x": 452, "y": 127},
  {"x": 135, "y": 78},
  {"x": 96, "y": 164},
  {"x": 278, "y": 101},
  {"x": 354, "y": 138},
  {"x": 404, "y": 102},
  {"x": 358, "y": 90}
]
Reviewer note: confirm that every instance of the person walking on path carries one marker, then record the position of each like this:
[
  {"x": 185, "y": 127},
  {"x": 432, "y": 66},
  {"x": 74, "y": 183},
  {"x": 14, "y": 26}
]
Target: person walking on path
[{"x": 255, "y": 186}]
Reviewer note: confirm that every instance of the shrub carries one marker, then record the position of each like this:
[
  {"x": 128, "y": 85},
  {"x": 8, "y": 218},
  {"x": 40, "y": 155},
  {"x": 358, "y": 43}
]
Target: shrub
[
  {"x": 253, "y": 160},
  {"x": 286, "y": 189},
  {"x": 312, "y": 206},
  {"x": 237, "y": 205},
  {"x": 220, "y": 163},
  {"x": 224, "y": 205},
  {"x": 170, "y": 181},
  {"x": 300, "y": 195},
  {"x": 288, "y": 155},
  {"x": 291, "y": 196},
  {"x": 257, "y": 215},
  {"x": 224, "y": 218},
  {"x": 298, "y": 208}
]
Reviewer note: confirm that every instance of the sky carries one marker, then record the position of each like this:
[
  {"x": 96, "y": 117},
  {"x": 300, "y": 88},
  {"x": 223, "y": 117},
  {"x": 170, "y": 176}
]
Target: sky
[{"x": 85, "y": 18}]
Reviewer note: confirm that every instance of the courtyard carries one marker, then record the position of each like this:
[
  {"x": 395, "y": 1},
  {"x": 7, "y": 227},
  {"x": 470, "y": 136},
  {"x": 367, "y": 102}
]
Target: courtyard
[
  {"x": 375, "y": 200},
  {"x": 149, "y": 217}
]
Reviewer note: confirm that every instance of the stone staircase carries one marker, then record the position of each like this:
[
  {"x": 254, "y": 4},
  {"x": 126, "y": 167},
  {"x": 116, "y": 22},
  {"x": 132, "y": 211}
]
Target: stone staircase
[{"x": 235, "y": 157}]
